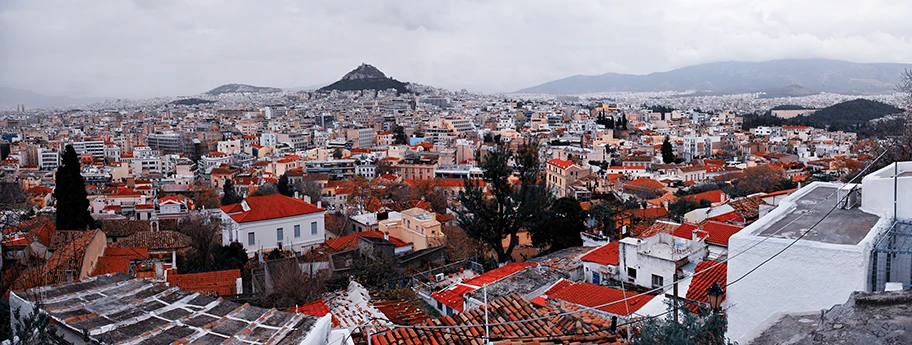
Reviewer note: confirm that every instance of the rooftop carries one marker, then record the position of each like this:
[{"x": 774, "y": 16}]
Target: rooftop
[
  {"x": 808, "y": 207},
  {"x": 120, "y": 309}
]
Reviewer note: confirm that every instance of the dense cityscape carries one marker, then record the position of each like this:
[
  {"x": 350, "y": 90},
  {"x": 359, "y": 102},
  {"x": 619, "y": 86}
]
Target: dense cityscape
[{"x": 723, "y": 202}]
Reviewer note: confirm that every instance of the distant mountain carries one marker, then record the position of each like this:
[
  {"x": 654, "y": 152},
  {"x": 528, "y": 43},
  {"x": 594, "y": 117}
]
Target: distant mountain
[
  {"x": 305, "y": 88},
  {"x": 10, "y": 98},
  {"x": 366, "y": 77},
  {"x": 233, "y": 88},
  {"x": 799, "y": 76}
]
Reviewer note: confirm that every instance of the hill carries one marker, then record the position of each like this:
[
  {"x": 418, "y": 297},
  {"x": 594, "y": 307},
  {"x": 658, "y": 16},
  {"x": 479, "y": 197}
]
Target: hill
[
  {"x": 10, "y": 97},
  {"x": 233, "y": 88},
  {"x": 852, "y": 116},
  {"x": 788, "y": 77},
  {"x": 192, "y": 101},
  {"x": 366, "y": 77}
]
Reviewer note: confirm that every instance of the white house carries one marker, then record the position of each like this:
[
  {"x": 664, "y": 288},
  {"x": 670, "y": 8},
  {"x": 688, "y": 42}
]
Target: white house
[
  {"x": 601, "y": 264},
  {"x": 263, "y": 223},
  {"x": 833, "y": 230},
  {"x": 652, "y": 262}
]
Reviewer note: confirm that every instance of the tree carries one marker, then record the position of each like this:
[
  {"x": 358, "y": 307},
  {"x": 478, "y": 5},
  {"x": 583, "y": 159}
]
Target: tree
[
  {"x": 691, "y": 330},
  {"x": 72, "y": 203},
  {"x": 905, "y": 86},
  {"x": 680, "y": 207},
  {"x": 311, "y": 189},
  {"x": 284, "y": 187},
  {"x": 337, "y": 153},
  {"x": 207, "y": 199},
  {"x": 605, "y": 215},
  {"x": 291, "y": 286},
  {"x": 764, "y": 178},
  {"x": 384, "y": 167},
  {"x": 459, "y": 245},
  {"x": 561, "y": 227},
  {"x": 266, "y": 189},
  {"x": 34, "y": 328},
  {"x": 668, "y": 156},
  {"x": 204, "y": 235},
  {"x": 491, "y": 219},
  {"x": 230, "y": 196},
  {"x": 399, "y": 137}
]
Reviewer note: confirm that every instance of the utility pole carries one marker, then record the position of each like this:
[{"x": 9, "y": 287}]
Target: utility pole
[
  {"x": 487, "y": 333},
  {"x": 674, "y": 299}
]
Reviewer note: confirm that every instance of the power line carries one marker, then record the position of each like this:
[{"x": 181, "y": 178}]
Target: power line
[{"x": 662, "y": 288}]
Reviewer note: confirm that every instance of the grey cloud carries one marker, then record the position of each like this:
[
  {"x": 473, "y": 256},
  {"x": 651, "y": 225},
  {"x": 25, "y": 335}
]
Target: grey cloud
[{"x": 148, "y": 48}]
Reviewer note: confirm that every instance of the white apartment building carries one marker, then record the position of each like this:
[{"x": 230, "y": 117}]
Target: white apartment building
[{"x": 95, "y": 148}]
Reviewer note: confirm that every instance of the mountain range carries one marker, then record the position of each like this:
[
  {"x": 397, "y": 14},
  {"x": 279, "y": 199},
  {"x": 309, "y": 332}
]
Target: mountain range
[
  {"x": 10, "y": 98},
  {"x": 796, "y": 77},
  {"x": 366, "y": 77}
]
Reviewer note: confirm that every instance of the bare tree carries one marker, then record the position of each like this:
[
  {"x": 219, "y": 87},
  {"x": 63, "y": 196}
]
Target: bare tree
[
  {"x": 291, "y": 286},
  {"x": 265, "y": 189},
  {"x": 312, "y": 189},
  {"x": 905, "y": 87},
  {"x": 204, "y": 234}
]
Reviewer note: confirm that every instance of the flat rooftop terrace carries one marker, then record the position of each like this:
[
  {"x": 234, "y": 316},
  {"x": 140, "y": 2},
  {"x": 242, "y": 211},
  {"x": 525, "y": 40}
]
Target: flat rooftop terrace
[{"x": 840, "y": 227}]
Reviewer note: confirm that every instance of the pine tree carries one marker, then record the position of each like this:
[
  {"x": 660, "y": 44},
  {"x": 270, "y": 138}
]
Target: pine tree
[
  {"x": 284, "y": 187},
  {"x": 399, "y": 137},
  {"x": 72, "y": 199},
  {"x": 668, "y": 156},
  {"x": 230, "y": 196}
]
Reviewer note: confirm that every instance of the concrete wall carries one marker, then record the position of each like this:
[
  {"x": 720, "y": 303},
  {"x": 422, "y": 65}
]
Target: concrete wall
[
  {"x": 877, "y": 191},
  {"x": 809, "y": 276},
  {"x": 94, "y": 250}
]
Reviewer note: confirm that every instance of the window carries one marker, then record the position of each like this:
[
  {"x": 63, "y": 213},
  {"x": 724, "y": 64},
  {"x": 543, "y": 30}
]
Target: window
[
  {"x": 251, "y": 239},
  {"x": 297, "y": 230},
  {"x": 657, "y": 281},
  {"x": 280, "y": 234},
  {"x": 631, "y": 273},
  {"x": 313, "y": 228}
]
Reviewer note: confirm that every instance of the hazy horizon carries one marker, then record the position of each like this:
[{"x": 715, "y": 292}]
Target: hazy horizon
[{"x": 142, "y": 49}]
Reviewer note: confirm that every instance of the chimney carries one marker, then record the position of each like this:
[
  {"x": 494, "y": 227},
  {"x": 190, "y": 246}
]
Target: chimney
[
  {"x": 386, "y": 236},
  {"x": 296, "y": 195},
  {"x": 319, "y": 204},
  {"x": 306, "y": 198},
  {"x": 694, "y": 234}
]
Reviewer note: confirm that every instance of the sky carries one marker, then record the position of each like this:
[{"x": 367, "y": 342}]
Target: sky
[{"x": 151, "y": 48}]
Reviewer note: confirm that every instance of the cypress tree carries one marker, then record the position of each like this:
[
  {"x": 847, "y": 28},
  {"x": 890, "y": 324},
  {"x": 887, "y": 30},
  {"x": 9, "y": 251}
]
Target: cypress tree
[
  {"x": 284, "y": 187},
  {"x": 230, "y": 196},
  {"x": 668, "y": 156},
  {"x": 72, "y": 199}
]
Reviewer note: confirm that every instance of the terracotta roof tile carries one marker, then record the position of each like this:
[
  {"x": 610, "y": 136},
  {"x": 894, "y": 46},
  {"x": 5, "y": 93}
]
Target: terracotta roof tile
[
  {"x": 591, "y": 295},
  {"x": 498, "y": 273},
  {"x": 271, "y": 206},
  {"x": 605, "y": 255},
  {"x": 218, "y": 283},
  {"x": 714, "y": 273}
]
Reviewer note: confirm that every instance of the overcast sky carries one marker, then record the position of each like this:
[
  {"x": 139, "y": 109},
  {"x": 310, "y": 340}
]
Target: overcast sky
[{"x": 147, "y": 48}]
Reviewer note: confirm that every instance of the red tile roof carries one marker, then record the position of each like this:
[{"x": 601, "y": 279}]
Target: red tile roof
[
  {"x": 562, "y": 323},
  {"x": 592, "y": 295},
  {"x": 719, "y": 233},
  {"x": 401, "y": 312},
  {"x": 316, "y": 308},
  {"x": 453, "y": 297},
  {"x": 605, "y": 255},
  {"x": 117, "y": 260},
  {"x": 714, "y": 196},
  {"x": 219, "y": 283},
  {"x": 648, "y": 213},
  {"x": 729, "y": 217},
  {"x": 498, "y": 273},
  {"x": 351, "y": 241},
  {"x": 645, "y": 184},
  {"x": 271, "y": 206},
  {"x": 714, "y": 273},
  {"x": 560, "y": 163}
]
